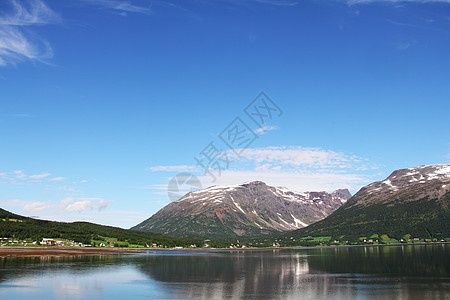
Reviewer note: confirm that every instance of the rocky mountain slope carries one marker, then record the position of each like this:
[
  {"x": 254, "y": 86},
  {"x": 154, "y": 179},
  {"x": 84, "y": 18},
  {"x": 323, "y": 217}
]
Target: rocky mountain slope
[
  {"x": 413, "y": 201},
  {"x": 250, "y": 209}
]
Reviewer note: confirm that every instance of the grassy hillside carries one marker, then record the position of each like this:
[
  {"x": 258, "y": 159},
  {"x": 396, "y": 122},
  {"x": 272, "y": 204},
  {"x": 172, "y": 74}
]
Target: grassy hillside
[
  {"x": 427, "y": 219},
  {"x": 19, "y": 227}
]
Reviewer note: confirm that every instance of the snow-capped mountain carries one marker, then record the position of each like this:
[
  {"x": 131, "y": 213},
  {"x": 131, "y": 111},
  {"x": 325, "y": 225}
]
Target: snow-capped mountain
[
  {"x": 429, "y": 180},
  {"x": 249, "y": 209},
  {"x": 414, "y": 201}
]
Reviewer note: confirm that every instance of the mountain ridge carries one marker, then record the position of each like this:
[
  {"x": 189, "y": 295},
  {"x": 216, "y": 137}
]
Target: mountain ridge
[
  {"x": 409, "y": 201},
  {"x": 245, "y": 210},
  {"x": 21, "y": 227}
]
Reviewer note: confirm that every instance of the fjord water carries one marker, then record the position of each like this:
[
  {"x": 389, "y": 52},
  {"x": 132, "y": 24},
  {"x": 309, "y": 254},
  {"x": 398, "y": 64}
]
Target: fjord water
[{"x": 403, "y": 272}]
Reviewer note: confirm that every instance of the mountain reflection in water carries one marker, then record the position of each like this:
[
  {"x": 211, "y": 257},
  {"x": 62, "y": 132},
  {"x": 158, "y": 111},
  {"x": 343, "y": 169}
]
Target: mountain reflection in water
[{"x": 397, "y": 271}]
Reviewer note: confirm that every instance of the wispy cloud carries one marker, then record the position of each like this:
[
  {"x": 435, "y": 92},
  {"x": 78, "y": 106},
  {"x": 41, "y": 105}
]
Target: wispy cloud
[
  {"x": 36, "y": 206},
  {"x": 352, "y": 2},
  {"x": 39, "y": 176},
  {"x": 68, "y": 204},
  {"x": 122, "y": 218},
  {"x": 180, "y": 168},
  {"x": 298, "y": 168},
  {"x": 27, "y": 206},
  {"x": 57, "y": 179},
  {"x": 17, "y": 44},
  {"x": 296, "y": 156},
  {"x": 122, "y": 7},
  {"x": 19, "y": 176},
  {"x": 268, "y": 2},
  {"x": 265, "y": 129},
  {"x": 71, "y": 204},
  {"x": 301, "y": 181},
  {"x": 276, "y": 2}
]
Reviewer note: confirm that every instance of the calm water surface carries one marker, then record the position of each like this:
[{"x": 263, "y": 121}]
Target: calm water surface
[{"x": 404, "y": 272}]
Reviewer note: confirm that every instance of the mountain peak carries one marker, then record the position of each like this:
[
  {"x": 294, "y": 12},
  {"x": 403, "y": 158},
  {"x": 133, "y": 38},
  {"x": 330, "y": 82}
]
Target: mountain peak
[
  {"x": 412, "y": 201},
  {"x": 248, "y": 209},
  {"x": 426, "y": 180},
  {"x": 418, "y": 175},
  {"x": 342, "y": 194}
]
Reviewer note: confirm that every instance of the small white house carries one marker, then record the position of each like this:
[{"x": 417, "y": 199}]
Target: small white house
[{"x": 46, "y": 241}]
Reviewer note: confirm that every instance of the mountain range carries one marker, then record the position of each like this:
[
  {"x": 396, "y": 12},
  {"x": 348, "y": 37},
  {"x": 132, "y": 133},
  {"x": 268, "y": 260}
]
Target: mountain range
[
  {"x": 245, "y": 210},
  {"x": 412, "y": 201}
]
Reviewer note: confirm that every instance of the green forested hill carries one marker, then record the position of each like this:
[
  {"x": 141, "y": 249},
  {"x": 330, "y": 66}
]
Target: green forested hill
[
  {"x": 19, "y": 227},
  {"x": 409, "y": 203},
  {"x": 424, "y": 219}
]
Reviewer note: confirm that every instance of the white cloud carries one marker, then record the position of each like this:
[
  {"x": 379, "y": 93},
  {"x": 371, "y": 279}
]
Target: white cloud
[
  {"x": 265, "y": 129},
  {"x": 27, "y": 206},
  {"x": 119, "y": 6},
  {"x": 71, "y": 204},
  {"x": 298, "y": 168},
  {"x": 17, "y": 45},
  {"x": 352, "y": 2},
  {"x": 268, "y": 2},
  {"x": 40, "y": 176},
  {"x": 296, "y": 156},
  {"x": 180, "y": 168},
  {"x": 36, "y": 206},
  {"x": 66, "y": 189},
  {"x": 277, "y": 2},
  {"x": 19, "y": 174},
  {"x": 122, "y": 218},
  {"x": 293, "y": 157},
  {"x": 19, "y": 177},
  {"x": 296, "y": 180}
]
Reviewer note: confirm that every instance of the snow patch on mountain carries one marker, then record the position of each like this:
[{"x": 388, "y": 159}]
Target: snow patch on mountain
[{"x": 297, "y": 221}]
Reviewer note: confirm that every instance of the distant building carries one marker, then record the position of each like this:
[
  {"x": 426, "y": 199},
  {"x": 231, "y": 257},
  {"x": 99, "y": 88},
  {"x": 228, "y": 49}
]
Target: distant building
[{"x": 46, "y": 241}]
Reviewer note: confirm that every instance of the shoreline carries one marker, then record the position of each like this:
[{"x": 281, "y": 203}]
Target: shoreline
[
  {"x": 62, "y": 251},
  {"x": 77, "y": 251}
]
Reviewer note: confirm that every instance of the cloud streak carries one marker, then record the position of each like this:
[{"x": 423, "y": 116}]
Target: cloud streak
[
  {"x": 180, "y": 168},
  {"x": 353, "y": 2},
  {"x": 57, "y": 179},
  {"x": 17, "y": 43},
  {"x": 68, "y": 204},
  {"x": 27, "y": 206},
  {"x": 300, "y": 181},
  {"x": 296, "y": 156},
  {"x": 71, "y": 204},
  {"x": 265, "y": 129},
  {"x": 123, "y": 7},
  {"x": 298, "y": 168},
  {"x": 36, "y": 206},
  {"x": 19, "y": 177},
  {"x": 40, "y": 176}
]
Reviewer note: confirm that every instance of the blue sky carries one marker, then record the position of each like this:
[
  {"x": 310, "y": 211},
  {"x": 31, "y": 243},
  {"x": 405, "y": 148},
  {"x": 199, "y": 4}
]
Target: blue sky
[{"x": 104, "y": 101}]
